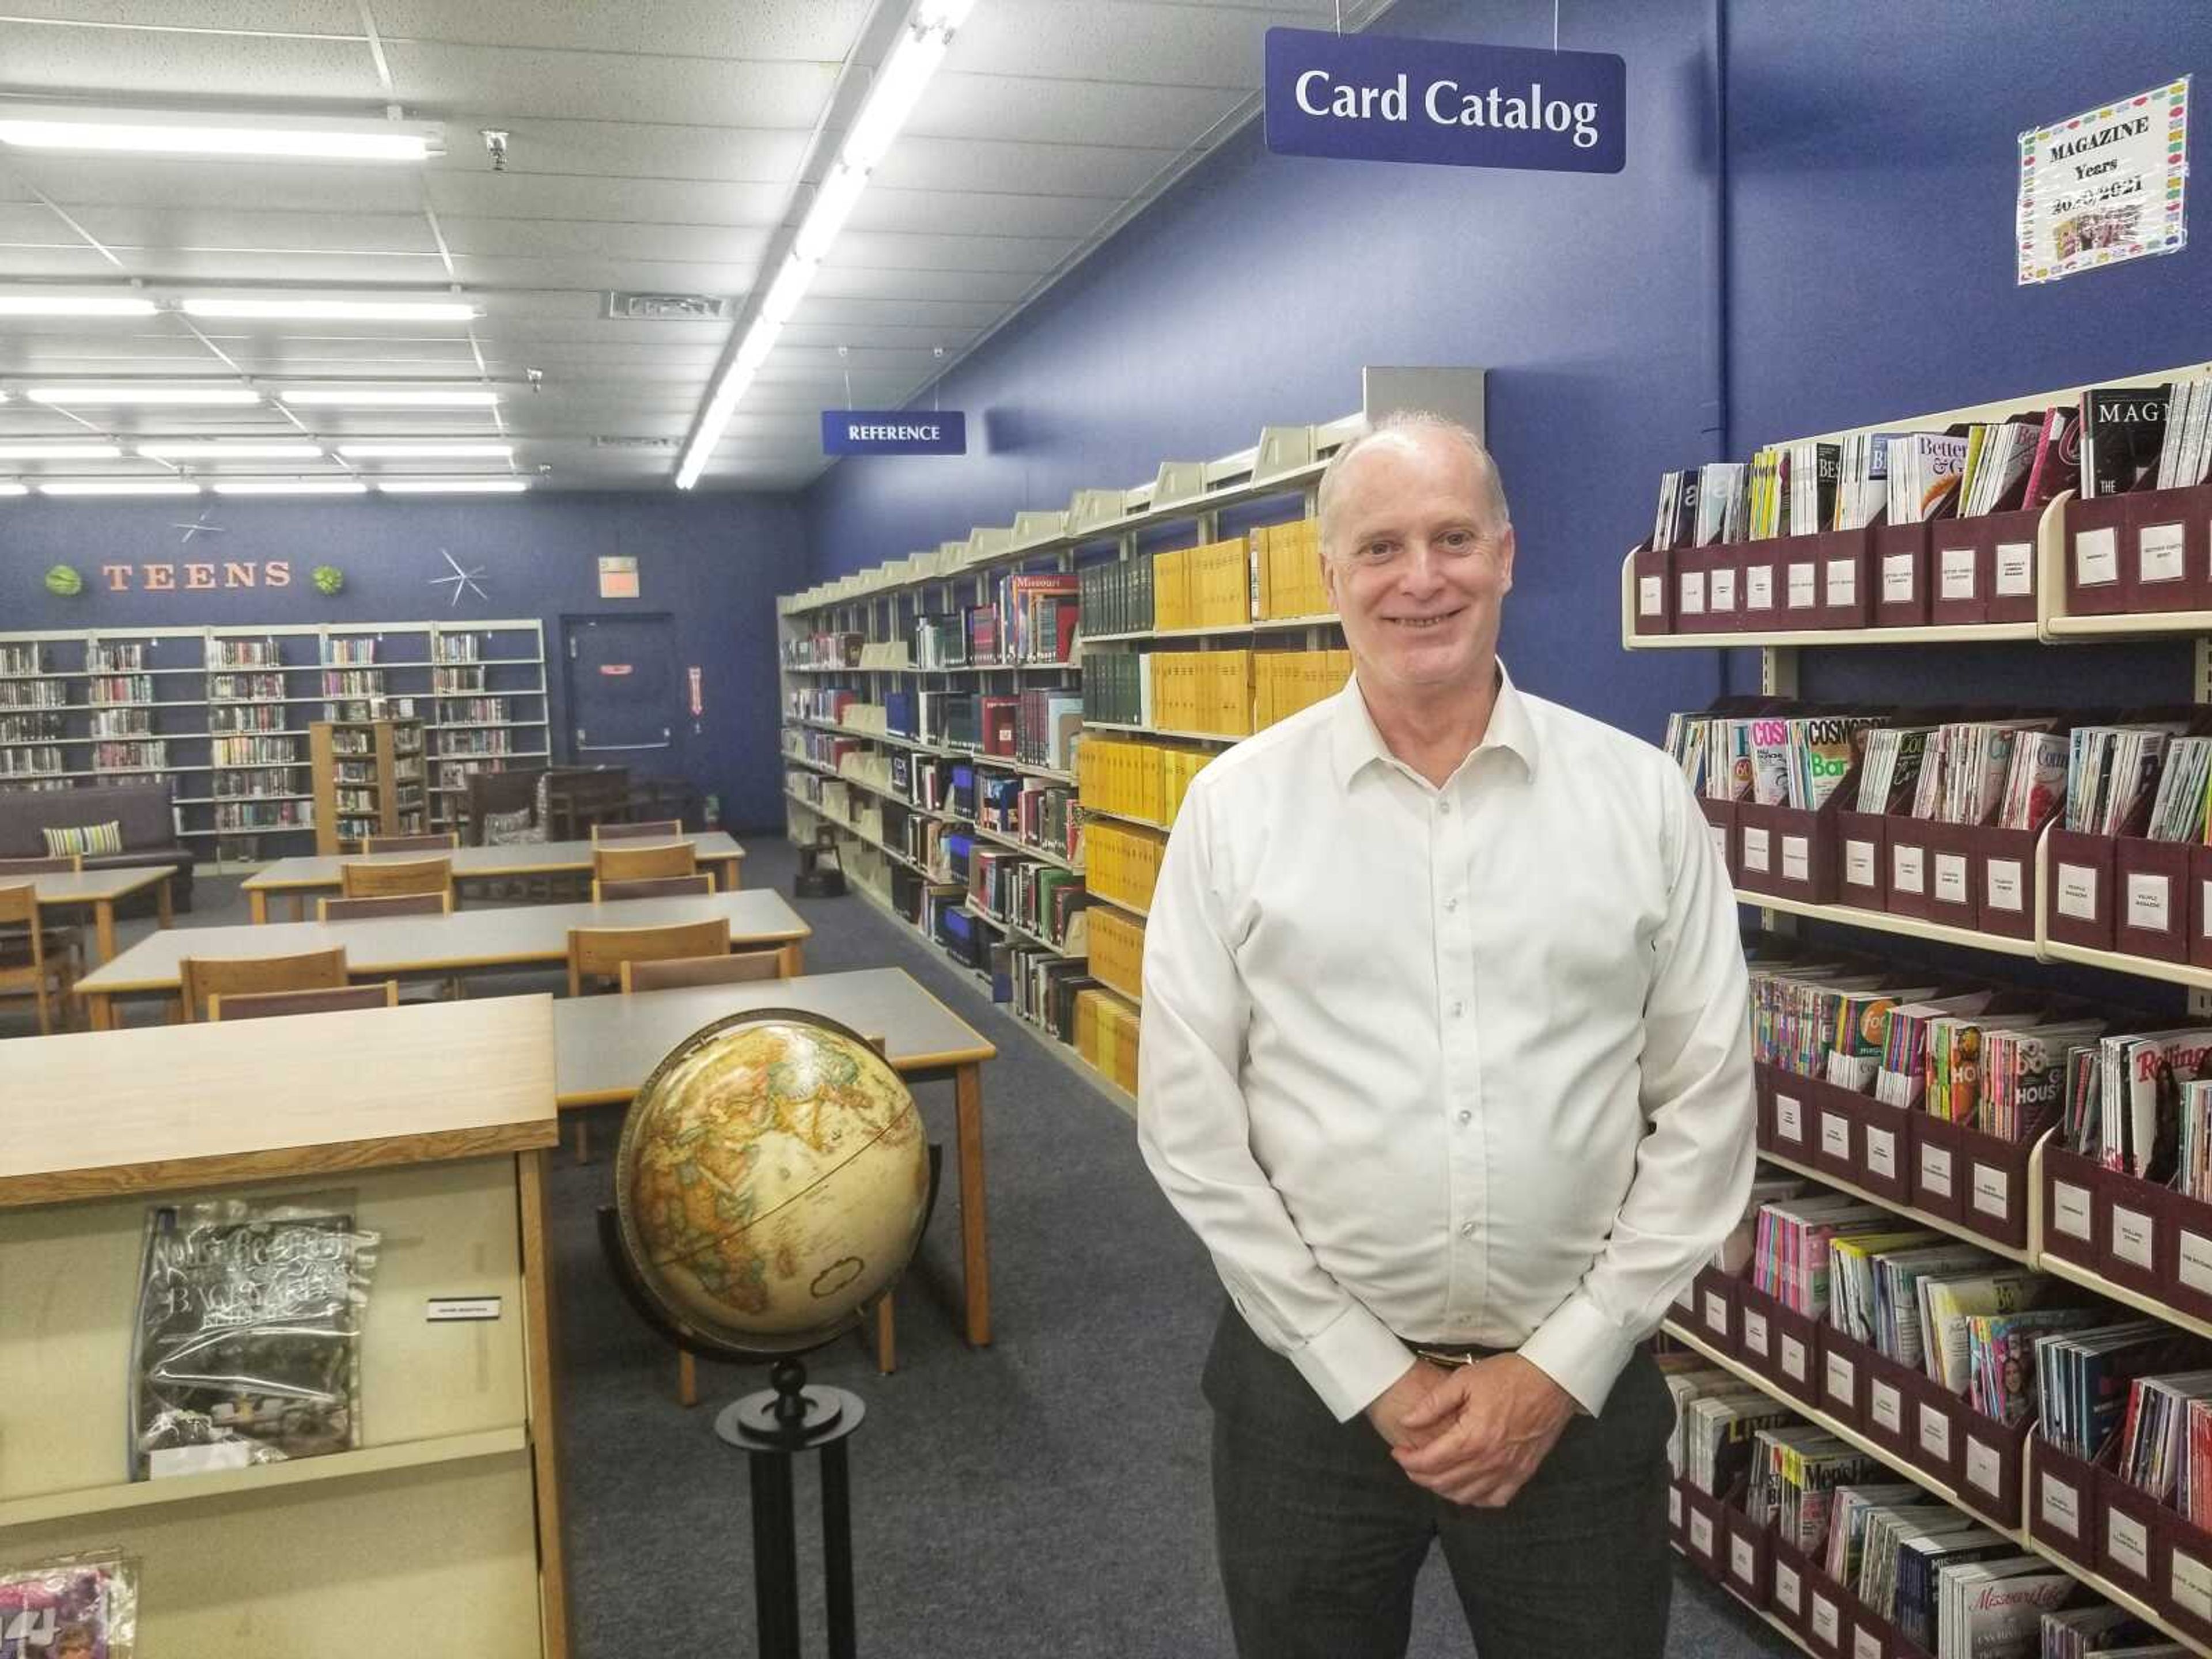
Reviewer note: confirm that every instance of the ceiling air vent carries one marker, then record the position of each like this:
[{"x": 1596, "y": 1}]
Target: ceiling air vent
[
  {"x": 669, "y": 307},
  {"x": 605, "y": 441}
]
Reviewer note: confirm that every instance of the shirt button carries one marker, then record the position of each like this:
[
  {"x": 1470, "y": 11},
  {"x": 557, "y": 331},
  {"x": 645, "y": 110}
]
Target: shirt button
[
  {"x": 1467, "y": 1229},
  {"x": 1466, "y": 1117},
  {"x": 1450, "y": 905},
  {"x": 1456, "y": 1008},
  {"x": 1444, "y": 807}
]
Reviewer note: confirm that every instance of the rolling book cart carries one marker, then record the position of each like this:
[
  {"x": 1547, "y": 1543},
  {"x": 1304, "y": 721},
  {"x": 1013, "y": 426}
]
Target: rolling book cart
[{"x": 2125, "y": 567}]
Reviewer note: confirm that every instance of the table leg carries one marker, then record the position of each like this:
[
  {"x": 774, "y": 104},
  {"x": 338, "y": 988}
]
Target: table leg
[
  {"x": 103, "y": 925},
  {"x": 102, "y": 1010},
  {"x": 165, "y": 906},
  {"x": 299, "y": 907},
  {"x": 733, "y": 875},
  {"x": 974, "y": 1237},
  {"x": 259, "y": 900},
  {"x": 791, "y": 960}
]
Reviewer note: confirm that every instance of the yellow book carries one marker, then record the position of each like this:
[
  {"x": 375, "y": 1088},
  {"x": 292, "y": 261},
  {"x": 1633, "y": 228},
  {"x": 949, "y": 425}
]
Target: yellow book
[{"x": 1262, "y": 595}]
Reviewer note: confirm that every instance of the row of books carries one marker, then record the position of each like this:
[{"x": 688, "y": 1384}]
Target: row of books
[
  {"x": 129, "y": 756},
  {"x": 254, "y": 780},
  {"x": 1123, "y": 864},
  {"x": 1285, "y": 682},
  {"x": 350, "y": 651},
  {"x": 1210, "y": 585},
  {"x": 1207, "y": 691},
  {"x": 459, "y": 682},
  {"x": 22, "y": 660},
  {"x": 475, "y": 711},
  {"x": 1031, "y": 618},
  {"x": 1287, "y": 558},
  {"x": 1116, "y": 596},
  {"x": 823, "y": 650},
  {"x": 256, "y": 751},
  {"x": 1117, "y": 950},
  {"x": 499, "y": 742},
  {"x": 31, "y": 728},
  {"x": 113, "y": 657},
  {"x": 245, "y": 688},
  {"x": 1046, "y": 724},
  {"x": 122, "y": 723},
  {"x": 1107, "y": 1034},
  {"x": 1043, "y": 898},
  {"x": 1037, "y": 814},
  {"x": 243, "y": 653},
  {"x": 19, "y": 761},
  {"x": 1143, "y": 780},
  {"x": 939, "y": 641},
  {"x": 1226, "y": 693},
  {"x": 120, "y": 688},
  {"x": 34, "y": 694}
]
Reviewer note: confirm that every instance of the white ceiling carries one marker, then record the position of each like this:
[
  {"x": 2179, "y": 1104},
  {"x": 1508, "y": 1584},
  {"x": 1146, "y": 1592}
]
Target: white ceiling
[{"x": 654, "y": 145}]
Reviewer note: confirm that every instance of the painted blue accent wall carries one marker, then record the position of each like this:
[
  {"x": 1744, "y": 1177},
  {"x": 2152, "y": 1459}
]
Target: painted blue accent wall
[
  {"x": 1253, "y": 291},
  {"x": 714, "y": 562}
]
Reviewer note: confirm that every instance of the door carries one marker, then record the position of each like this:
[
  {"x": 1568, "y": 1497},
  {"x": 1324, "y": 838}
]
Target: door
[{"x": 622, "y": 681}]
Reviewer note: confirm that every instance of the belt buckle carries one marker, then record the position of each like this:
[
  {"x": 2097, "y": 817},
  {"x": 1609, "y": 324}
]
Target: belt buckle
[{"x": 1447, "y": 1360}]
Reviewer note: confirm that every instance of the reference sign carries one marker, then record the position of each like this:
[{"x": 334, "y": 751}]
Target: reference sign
[
  {"x": 1389, "y": 98},
  {"x": 894, "y": 432}
]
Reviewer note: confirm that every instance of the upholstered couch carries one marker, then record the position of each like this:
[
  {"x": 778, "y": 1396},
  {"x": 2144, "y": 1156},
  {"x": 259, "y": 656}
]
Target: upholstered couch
[{"x": 142, "y": 808}]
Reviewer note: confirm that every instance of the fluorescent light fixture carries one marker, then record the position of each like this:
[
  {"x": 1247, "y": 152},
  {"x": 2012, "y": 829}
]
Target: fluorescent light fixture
[
  {"x": 310, "y": 310},
  {"x": 28, "y": 450},
  {"x": 152, "y": 391},
  {"x": 9, "y": 487},
  {"x": 897, "y": 87},
  {"x": 184, "y": 133},
  {"x": 225, "y": 449},
  {"x": 452, "y": 486},
  {"x": 833, "y": 205},
  {"x": 74, "y": 305},
  {"x": 425, "y": 450},
  {"x": 117, "y": 487},
  {"x": 288, "y": 486},
  {"x": 427, "y": 397}
]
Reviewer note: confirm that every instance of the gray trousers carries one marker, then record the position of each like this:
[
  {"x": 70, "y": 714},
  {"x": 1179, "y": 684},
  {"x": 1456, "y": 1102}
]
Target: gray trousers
[{"x": 1320, "y": 1534}]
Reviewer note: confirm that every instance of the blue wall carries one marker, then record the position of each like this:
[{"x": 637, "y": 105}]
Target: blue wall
[
  {"x": 715, "y": 562},
  {"x": 1253, "y": 291}
]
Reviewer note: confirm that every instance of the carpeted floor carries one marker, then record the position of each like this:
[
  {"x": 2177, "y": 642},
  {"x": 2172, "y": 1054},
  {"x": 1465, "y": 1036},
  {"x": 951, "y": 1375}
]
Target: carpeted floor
[{"x": 1045, "y": 1497}]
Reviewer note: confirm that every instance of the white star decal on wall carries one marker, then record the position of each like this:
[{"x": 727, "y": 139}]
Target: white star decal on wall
[
  {"x": 199, "y": 526},
  {"x": 463, "y": 580}
]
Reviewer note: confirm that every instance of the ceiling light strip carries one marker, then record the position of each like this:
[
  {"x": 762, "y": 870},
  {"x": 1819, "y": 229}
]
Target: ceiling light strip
[
  {"x": 913, "y": 58},
  {"x": 452, "y": 486},
  {"x": 184, "y": 133}
]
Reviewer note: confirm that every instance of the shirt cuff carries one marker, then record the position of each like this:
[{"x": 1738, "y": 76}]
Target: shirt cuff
[
  {"x": 1581, "y": 1350},
  {"x": 1352, "y": 1362}
]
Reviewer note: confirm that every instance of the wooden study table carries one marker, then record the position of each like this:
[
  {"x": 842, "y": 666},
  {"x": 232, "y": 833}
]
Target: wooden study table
[
  {"x": 719, "y": 856},
  {"x": 99, "y": 888},
  {"x": 440, "y": 1530},
  {"x": 510, "y": 936},
  {"x": 607, "y": 1046}
]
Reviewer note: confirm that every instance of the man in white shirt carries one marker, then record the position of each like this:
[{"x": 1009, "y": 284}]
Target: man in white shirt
[{"x": 1445, "y": 1054}]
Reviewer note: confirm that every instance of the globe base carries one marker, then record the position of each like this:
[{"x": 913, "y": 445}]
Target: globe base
[{"x": 790, "y": 1416}]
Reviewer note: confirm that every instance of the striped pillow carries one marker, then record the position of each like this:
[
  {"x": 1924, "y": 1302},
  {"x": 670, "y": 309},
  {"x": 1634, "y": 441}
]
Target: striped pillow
[{"x": 88, "y": 838}]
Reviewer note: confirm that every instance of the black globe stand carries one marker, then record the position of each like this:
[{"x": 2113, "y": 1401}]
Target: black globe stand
[{"x": 772, "y": 1427}]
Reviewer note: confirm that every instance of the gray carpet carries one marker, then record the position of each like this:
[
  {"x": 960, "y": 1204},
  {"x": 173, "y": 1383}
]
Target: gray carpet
[{"x": 1047, "y": 1496}]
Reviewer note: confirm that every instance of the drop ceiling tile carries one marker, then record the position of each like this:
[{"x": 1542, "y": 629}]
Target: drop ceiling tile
[
  {"x": 1004, "y": 286},
  {"x": 596, "y": 86},
  {"x": 592, "y": 275},
  {"x": 162, "y": 65},
  {"x": 161, "y": 227},
  {"x": 624, "y": 150},
  {"x": 338, "y": 17},
  {"x": 271, "y": 186},
  {"x": 823, "y": 30},
  {"x": 1037, "y": 111},
  {"x": 565, "y": 238},
  {"x": 917, "y": 162},
  {"x": 896, "y": 250},
  {"x": 518, "y": 195},
  {"x": 972, "y": 213},
  {"x": 214, "y": 266},
  {"x": 1206, "y": 44}
]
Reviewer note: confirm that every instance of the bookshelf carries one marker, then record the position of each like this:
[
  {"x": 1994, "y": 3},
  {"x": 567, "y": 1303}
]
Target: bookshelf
[
  {"x": 371, "y": 778},
  {"x": 880, "y": 827},
  {"x": 427, "y": 1124},
  {"x": 2164, "y": 1600},
  {"x": 229, "y": 706}
]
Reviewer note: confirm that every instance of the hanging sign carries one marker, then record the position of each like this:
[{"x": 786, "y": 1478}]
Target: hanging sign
[
  {"x": 1389, "y": 98},
  {"x": 2105, "y": 185},
  {"x": 894, "y": 432}
]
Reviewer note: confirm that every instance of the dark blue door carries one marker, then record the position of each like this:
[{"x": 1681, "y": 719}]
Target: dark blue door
[{"x": 623, "y": 696}]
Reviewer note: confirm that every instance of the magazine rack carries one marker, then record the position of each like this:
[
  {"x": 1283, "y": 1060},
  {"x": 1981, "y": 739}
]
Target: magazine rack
[{"x": 439, "y": 1532}]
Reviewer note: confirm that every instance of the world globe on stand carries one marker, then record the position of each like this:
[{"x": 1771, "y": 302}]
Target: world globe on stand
[{"x": 772, "y": 1180}]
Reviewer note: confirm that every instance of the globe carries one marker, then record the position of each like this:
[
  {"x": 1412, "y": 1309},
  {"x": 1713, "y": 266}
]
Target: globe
[{"x": 773, "y": 1180}]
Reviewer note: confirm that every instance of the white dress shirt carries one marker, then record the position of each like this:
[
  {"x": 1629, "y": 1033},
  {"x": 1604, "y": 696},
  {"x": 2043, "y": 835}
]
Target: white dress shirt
[{"x": 1459, "y": 1065}]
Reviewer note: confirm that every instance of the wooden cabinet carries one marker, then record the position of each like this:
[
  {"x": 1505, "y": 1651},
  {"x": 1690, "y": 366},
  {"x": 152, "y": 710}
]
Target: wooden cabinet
[{"x": 441, "y": 1531}]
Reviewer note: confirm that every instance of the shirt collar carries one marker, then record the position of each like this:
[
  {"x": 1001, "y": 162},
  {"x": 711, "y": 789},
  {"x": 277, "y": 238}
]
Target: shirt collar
[{"x": 1354, "y": 743}]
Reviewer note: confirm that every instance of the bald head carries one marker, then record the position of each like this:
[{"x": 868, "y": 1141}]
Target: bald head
[{"x": 1408, "y": 431}]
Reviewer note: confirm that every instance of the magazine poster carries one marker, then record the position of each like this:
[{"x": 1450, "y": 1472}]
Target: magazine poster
[{"x": 2106, "y": 186}]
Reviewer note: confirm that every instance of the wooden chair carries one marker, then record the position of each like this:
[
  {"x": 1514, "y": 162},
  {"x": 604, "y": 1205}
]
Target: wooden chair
[
  {"x": 600, "y": 952},
  {"x": 24, "y": 959},
  {"x": 652, "y": 887},
  {"x": 359, "y": 880},
  {"x": 203, "y": 977},
  {"x": 667, "y": 858},
  {"x": 265, "y": 1005},
  {"x": 440, "y": 843},
  {"x": 393, "y": 904},
  {"x": 677, "y": 973},
  {"x": 63, "y": 941},
  {"x": 657, "y": 829}
]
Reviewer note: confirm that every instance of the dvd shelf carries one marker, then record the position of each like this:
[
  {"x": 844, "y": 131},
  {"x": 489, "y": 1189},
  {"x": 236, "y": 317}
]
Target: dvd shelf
[
  {"x": 934, "y": 712},
  {"x": 2119, "y": 904},
  {"x": 223, "y": 713}
]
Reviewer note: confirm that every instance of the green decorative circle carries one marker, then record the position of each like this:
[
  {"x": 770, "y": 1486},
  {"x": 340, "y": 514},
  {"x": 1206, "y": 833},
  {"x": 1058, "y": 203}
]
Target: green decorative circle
[
  {"x": 329, "y": 579},
  {"x": 63, "y": 580}
]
